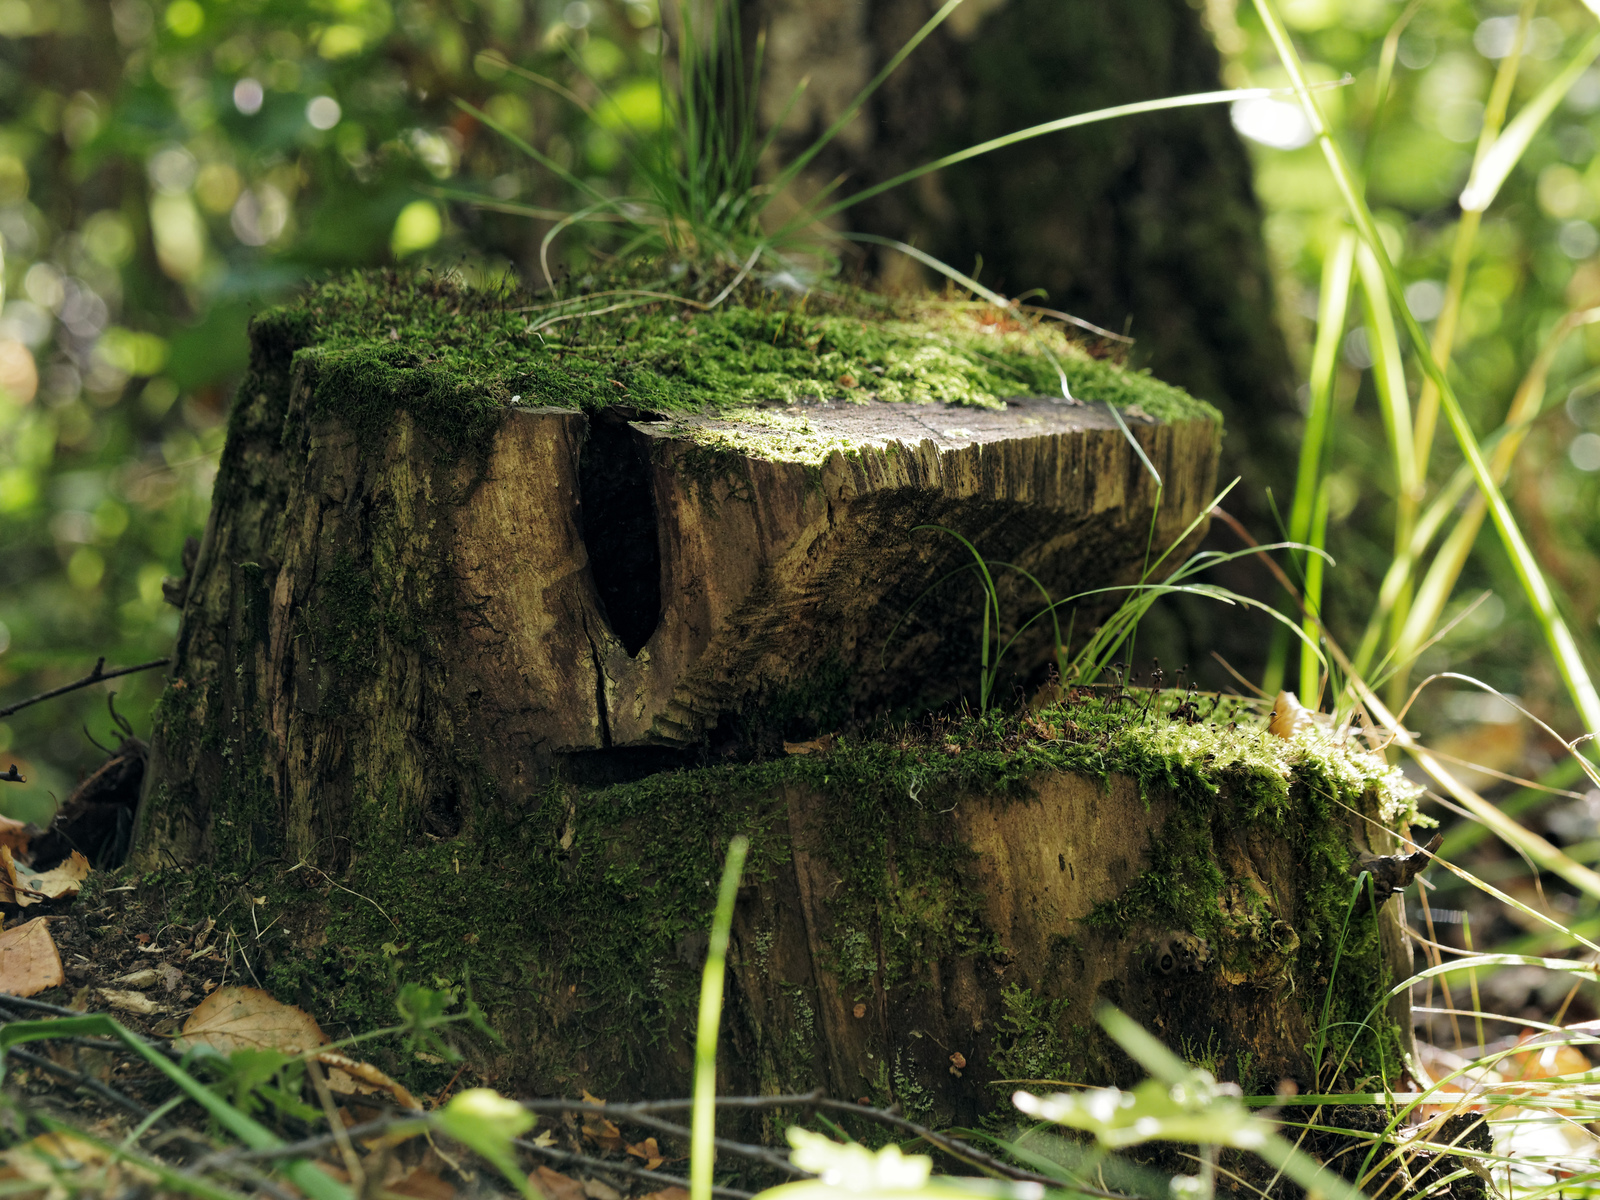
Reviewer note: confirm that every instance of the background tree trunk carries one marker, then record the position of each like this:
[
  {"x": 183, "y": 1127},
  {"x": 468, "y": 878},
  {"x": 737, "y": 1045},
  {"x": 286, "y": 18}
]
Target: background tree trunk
[{"x": 1147, "y": 225}]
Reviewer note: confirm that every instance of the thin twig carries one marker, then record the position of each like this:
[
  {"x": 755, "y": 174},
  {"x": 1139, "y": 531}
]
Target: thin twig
[
  {"x": 161, "y": 1047},
  {"x": 565, "y": 1157},
  {"x": 102, "y": 1090},
  {"x": 98, "y": 675},
  {"x": 630, "y": 1114},
  {"x": 955, "y": 1149}
]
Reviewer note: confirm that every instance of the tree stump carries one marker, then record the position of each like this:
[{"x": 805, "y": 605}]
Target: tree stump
[{"x": 484, "y": 596}]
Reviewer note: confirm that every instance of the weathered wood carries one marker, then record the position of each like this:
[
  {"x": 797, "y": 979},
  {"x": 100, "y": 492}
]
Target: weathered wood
[
  {"x": 388, "y": 613},
  {"x": 457, "y": 661}
]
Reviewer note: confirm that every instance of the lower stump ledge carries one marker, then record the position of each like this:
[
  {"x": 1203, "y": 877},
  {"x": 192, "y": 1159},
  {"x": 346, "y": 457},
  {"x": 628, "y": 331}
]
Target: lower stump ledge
[{"x": 929, "y": 922}]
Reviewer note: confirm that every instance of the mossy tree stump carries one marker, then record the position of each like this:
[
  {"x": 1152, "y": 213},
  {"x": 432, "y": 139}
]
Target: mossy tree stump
[{"x": 480, "y": 599}]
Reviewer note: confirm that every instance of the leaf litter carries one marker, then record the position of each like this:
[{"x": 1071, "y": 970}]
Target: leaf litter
[{"x": 113, "y": 948}]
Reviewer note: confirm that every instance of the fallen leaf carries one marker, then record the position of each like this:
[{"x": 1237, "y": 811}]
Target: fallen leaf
[
  {"x": 170, "y": 976},
  {"x": 128, "y": 1001},
  {"x": 29, "y": 962},
  {"x": 555, "y": 1185},
  {"x": 16, "y": 835},
  {"x": 60, "y": 881},
  {"x": 137, "y": 979},
  {"x": 237, "y": 1018},
  {"x": 604, "y": 1134},
  {"x": 363, "y": 1079},
  {"x": 819, "y": 745},
  {"x": 69, "y": 1165},
  {"x": 597, "y": 1190},
  {"x": 11, "y": 884},
  {"x": 546, "y": 1139},
  {"x": 648, "y": 1150},
  {"x": 1289, "y": 716}
]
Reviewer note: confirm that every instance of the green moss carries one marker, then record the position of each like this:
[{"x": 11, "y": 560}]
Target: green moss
[
  {"x": 455, "y": 357},
  {"x": 574, "y": 917},
  {"x": 1030, "y": 1050}
]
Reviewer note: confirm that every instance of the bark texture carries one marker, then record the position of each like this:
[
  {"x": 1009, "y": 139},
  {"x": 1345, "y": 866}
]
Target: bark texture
[
  {"x": 392, "y": 617},
  {"x": 1147, "y": 223},
  {"x": 473, "y": 688}
]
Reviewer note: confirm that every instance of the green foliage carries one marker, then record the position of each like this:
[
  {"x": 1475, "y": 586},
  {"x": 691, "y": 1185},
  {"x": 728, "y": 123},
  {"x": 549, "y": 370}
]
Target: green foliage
[{"x": 1030, "y": 1048}]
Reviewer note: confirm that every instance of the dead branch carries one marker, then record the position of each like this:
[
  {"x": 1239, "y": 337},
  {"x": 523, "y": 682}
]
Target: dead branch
[{"x": 97, "y": 675}]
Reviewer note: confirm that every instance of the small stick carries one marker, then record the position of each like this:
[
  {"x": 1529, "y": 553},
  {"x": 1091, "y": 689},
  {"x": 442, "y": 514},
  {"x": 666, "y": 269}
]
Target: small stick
[
  {"x": 88, "y": 1082},
  {"x": 94, "y": 676}
]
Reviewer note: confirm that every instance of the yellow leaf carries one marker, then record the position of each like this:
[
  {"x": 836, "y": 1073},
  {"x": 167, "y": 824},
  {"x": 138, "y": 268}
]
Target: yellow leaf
[
  {"x": 237, "y": 1018},
  {"x": 29, "y": 962}
]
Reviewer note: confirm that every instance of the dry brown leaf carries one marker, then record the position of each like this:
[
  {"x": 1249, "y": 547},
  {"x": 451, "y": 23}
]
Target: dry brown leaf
[
  {"x": 22, "y": 887},
  {"x": 556, "y": 1186},
  {"x": 648, "y": 1150},
  {"x": 58, "y": 882},
  {"x": 29, "y": 962},
  {"x": 604, "y": 1134},
  {"x": 130, "y": 1001},
  {"x": 1289, "y": 716},
  {"x": 66, "y": 1165},
  {"x": 597, "y": 1189},
  {"x": 350, "y": 1077},
  {"x": 16, "y": 835},
  {"x": 10, "y": 884},
  {"x": 819, "y": 745},
  {"x": 137, "y": 979},
  {"x": 242, "y": 1018}
]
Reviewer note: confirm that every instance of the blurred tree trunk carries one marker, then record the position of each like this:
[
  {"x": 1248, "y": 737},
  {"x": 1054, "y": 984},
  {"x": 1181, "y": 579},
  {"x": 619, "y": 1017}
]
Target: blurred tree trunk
[{"x": 1146, "y": 224}]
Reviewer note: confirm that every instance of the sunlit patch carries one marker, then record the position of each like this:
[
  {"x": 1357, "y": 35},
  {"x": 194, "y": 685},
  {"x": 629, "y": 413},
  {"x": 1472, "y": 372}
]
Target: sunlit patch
[{"x": 1280, "y": 124}]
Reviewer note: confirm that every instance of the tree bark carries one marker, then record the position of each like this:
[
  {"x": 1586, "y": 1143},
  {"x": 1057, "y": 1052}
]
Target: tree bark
[
  {"x": 1147, "y": 225},
  {"x": 381, "y": 608},
  {"x": 451, "y": 707}
]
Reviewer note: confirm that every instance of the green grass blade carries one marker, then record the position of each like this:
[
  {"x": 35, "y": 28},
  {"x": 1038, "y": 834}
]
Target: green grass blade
[
  {"x": 1444, "y": 330},
  {"x": 305, "y": 1176},
  {"x": 802, "y": 160},
  {"x": 1491, "y": 170},
  {"x": 1563, "y": 646},
  {"x": 1440, "y": 580},
  {"x": 1332, "y": 307},
  {"x": 1310, "y": 669},
  {"x": 1389, "y": 379},
  {"x": 703, "y": 1132},
  {"x": 1191, "y": 100}
]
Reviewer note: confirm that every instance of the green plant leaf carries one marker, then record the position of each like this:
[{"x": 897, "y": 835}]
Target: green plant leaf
[{"x": 1507, "y": 150}]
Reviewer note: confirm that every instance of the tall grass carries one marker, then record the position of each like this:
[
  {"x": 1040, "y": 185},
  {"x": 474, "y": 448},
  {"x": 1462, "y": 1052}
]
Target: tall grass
[
  {"x": 697, "y": 194},
  {"x": 1410, "y": 440}
]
